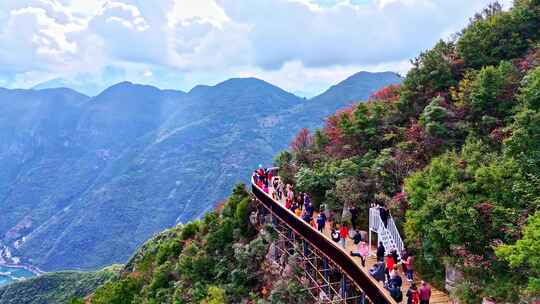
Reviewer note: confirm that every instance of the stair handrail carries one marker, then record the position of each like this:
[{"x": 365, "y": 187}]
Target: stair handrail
[
  {"x": 374, "y": 219},
  {"x": 394, "y": 232},
  {"x": 376, "y": 225}
]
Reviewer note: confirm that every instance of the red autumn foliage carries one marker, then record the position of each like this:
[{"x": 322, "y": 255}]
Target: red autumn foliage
[
  {"x": 485, "y": 209},
  {"x": 388, "y": 93},
  {"x": 415, "y": 133},
  {"x": 401, "y": 199},
  {"x": 332, "y": 130},
  {"x": 499, "y": 134},
  {"x": 302, "y": 141},
  {"x": 399, "y": 204},
  {"x": 422, "y": 145},
  {"x": 529, "y": 62},
  {"x": 470, "y": 260}
]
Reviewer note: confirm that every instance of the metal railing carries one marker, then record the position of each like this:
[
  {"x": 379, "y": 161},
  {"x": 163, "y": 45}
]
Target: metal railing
[{"x": 394, "y": 232}]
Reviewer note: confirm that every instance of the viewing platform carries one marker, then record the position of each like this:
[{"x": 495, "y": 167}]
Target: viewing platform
[{"x": 374, "y": 291}]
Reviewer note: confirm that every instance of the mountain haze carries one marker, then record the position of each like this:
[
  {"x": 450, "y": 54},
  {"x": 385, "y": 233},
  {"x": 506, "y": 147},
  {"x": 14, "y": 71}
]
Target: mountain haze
[{"x": 86, "y": 180}]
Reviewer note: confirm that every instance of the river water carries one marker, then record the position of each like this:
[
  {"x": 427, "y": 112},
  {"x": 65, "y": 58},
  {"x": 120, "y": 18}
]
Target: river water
[{"x": 10, "y": 274}]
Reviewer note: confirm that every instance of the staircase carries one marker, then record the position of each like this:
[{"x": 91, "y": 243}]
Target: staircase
[{"x": 389, "y": 235}]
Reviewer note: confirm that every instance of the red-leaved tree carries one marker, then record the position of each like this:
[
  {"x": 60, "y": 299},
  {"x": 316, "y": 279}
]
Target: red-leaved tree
[
  {"x": 338, "y": 143},
  {"x": 388, "y": 93},
  {"x": 301, "y": 144}
]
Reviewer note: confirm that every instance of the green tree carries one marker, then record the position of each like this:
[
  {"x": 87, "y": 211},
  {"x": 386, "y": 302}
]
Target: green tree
[
  {"x": 524, "y": 143},
  {"x": 434, "y": 116},
  {"x": 462, "y": 204},
  {"x": 241, "y": 214},
  {"x": 119, "y": 292},
  {"x": 216, "y": 295},
  {"x": 433, "y": 72},
  {"x": 320, "y": 140},
  {"x": 529, "y": 95},
  {"x": 323, "y": 176},
  {"x": 523, "y": 255},
  {"x": 284, "y": 161},
  {"x": 499, "y": 35}
]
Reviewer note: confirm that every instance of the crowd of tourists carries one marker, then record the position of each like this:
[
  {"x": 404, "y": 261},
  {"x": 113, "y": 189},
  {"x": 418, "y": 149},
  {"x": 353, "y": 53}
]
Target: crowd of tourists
[
  {"x": 262, "y": 178},
  {"x": 385, "y": 270}
]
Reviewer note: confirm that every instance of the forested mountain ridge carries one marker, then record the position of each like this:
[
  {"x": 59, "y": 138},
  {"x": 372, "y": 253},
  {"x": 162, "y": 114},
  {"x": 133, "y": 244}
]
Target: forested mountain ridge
[
  {"x": 454, "y": 152},
  {"x": 85, "y": 181}
]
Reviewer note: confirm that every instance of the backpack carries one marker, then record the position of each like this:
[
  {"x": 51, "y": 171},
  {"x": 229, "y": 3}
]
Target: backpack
[{"x": 357, "y": 238}]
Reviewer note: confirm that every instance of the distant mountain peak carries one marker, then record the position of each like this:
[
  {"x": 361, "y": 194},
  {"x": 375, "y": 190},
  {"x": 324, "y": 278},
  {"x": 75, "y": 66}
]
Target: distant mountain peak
[
  {"x": 84, "y": 87},
  {"x": 199, "y": 88},
  {"x": 244, "y": 80},
  {"x": 358, "y": 86},
  {"x": 129, "y": 84},
  {"x": 366, "y": 76},
  {"x": 62, "y": 90},
  {"x": 240, "y": 84},
  {"x": 127, "y": 87}
]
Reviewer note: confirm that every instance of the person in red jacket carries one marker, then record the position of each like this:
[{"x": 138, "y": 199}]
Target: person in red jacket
[
  {"x": 389, "y": 265},
  {"x": 425, "y": 293},
  {"x": 343, "y": 234}
]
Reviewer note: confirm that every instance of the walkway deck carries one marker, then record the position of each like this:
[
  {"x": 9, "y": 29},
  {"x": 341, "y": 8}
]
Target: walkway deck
[{"x": 437, "y": 296}]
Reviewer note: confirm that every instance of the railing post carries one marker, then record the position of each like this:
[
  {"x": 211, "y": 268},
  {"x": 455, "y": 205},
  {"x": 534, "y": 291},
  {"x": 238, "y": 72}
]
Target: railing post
[
  {"x": 290, "y": 242},
  {"x": 343, "y": 287},
  {"x": 369, "y": 237},
  {"x": 362, "y": 299},
  {"x": 326, "y": 274},
  {"x": 306, "y": 248}
]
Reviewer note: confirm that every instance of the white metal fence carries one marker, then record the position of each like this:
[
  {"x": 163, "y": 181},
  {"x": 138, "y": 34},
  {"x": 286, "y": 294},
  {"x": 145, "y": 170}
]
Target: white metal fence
[{"x": 388, "y": 235}]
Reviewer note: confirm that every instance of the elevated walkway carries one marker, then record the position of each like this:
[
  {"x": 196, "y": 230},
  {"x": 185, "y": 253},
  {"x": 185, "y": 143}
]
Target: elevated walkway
[
  {"x": 360, "y": 280},
  {"x": 351, "y": 266}
]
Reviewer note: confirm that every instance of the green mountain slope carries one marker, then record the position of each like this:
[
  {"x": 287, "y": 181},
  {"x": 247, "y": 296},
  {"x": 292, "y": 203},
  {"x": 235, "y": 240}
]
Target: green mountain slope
[
  {"x": 58, "y": 287},
  {"x": 218, "y": 259},
  {"x": 85, "y": 181}
]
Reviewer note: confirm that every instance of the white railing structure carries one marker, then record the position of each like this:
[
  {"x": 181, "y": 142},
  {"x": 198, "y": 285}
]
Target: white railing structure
[{"x": 389, "y": 235}]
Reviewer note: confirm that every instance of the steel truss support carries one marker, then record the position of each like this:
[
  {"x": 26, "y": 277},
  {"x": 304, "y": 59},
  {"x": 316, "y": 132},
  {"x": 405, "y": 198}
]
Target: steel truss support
[{"x": 326, "y": 282}]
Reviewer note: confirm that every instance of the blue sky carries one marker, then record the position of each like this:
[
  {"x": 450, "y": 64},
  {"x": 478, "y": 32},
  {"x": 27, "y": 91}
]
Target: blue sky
[{"x": 303, "y": 46}]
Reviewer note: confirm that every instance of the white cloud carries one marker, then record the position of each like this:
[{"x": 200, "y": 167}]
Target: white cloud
[
  {"x": 205, "y": 10},
  {"x": 301, "y": 45},
  {"x": 375, "y": 32},
  {"x": 33, "y": 40}
]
